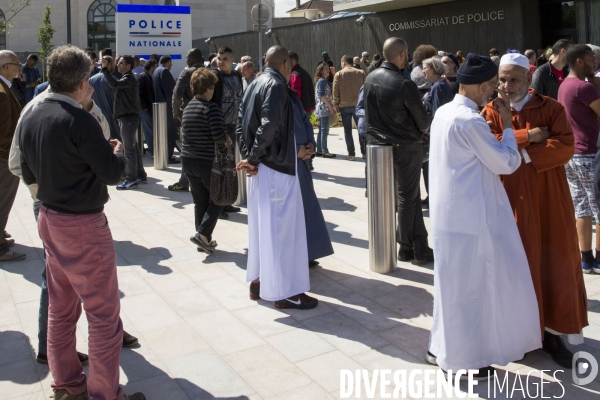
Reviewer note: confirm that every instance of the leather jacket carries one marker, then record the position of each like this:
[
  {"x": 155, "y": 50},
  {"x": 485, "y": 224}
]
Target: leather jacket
[
  {"x": 544, "y": 82},
  {"x": 394, "y": 111},
  {"x": 265, "y": 126},
  {"x": 127, "y": 96}
]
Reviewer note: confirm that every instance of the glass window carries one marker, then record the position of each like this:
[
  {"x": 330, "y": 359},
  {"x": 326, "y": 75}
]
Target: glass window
[
  {"x": 101, "y": 26},
  {"x": 3, "y": 33},
  {"x": 170, "y": 3}
]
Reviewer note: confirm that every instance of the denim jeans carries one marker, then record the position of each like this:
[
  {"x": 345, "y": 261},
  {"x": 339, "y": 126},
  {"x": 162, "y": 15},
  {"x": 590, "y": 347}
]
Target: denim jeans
[
  {"x": 206, "y": 212},
  {"x": 43, "y": 313},
  {"x": 322, "y": 136},
  {"x": 134, "y": 168},
  {"x": 147, "y": 128},
  {"x": 347, "y": 114}
]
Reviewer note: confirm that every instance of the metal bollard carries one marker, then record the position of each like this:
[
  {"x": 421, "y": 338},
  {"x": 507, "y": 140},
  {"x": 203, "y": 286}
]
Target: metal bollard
[
  {"x": 382, "y": 218},
  {"x": 241, "y": 175},
  {"x": 159, "y": 133}
]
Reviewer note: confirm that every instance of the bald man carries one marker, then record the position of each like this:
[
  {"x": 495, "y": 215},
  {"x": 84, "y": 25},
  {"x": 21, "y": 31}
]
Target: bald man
[
  {"x": 277, "y": 252},
  {"x": 9, "y": 69},
  {"x": 395, "y": 116}
]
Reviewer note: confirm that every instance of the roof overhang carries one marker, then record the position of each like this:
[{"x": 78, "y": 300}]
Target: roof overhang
[{"x": 380, "y": 5}]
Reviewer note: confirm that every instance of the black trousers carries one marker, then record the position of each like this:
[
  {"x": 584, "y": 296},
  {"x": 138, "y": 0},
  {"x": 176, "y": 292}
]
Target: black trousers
[
  {"x": 8, "y": 191},
  {"x": 411, "y": 233},
  {"x": 206, "y": 212}
]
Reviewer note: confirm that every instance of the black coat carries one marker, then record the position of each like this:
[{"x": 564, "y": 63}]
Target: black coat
[
  {"x": 265, "y": 128},
  {"x": 127, "y": 96},
  {"x": 544, "y": 82},
  {"x": 394, "y": 112},
  {"x": 146, "y": 91}
]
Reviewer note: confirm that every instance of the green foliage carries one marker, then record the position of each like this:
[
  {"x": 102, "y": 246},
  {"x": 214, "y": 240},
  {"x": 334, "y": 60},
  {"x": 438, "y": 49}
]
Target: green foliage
[
  {"x": 45, "y": 34},
  {"x": 313, "y": 119},
  {"x": 14, "y": 7}
]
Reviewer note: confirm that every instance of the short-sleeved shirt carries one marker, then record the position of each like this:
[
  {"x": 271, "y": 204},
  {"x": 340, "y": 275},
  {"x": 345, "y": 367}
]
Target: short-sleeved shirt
[{"x": 576, "y": 96}]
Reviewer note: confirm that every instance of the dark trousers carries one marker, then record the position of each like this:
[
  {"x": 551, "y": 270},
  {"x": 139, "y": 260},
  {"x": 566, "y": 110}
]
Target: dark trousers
[
  {"x": 206, "y": 212},
  {"x": 597, "y": 177},
  {"x": 411, "y": 232},
  {"x": 348, "y": 113},
  {"x": 147, "y": 127},
  {"x": 426, "y": 176},
  {"x": 43, "y": 313},
  {"x": 8, "y": 191},
  {"x": 134, "y": 168}
]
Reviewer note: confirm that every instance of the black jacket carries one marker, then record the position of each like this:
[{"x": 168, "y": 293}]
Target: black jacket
[
  {"x": 544, "y": 82},
  {"x": 146, "y": 91},
  {"x": 19, "y": 88},
  {"x": 127, "y": 97},
  {"x": 308, "y": 88},
  {"x": 394, "y": 111},
  {"x": 265, "y": 127},
  {"x": 182, "y": 94}
]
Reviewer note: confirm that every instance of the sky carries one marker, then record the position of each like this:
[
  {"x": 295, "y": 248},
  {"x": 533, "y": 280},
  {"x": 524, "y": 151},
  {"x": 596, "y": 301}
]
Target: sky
[{"x": 281, "y": 6}]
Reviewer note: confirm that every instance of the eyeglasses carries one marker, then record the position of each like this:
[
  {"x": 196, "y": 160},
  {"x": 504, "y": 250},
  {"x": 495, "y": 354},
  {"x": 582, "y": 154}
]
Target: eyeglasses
[{"x": 17, "y": 64}]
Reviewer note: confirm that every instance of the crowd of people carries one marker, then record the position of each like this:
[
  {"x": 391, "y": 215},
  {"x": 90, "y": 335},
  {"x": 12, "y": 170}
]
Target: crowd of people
[{"x": 506, "y": 144}]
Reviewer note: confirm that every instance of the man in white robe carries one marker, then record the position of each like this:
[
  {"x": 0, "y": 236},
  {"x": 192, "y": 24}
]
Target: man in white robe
[
  {"x": 277, "y": 266},
  {"x": 485, "y": 308}
]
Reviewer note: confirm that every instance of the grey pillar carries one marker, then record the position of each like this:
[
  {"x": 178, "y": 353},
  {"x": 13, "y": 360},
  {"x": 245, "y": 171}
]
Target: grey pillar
[
  {"x": 159, "y": 122},
  {"x": 382, "y": 218}
]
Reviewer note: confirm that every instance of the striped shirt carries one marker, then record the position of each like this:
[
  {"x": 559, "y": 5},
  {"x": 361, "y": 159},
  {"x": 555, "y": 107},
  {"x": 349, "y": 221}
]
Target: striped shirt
[{"x": 202, "y": 126}]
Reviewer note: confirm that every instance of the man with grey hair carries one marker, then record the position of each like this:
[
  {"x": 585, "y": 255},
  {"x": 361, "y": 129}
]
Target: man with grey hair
[
  {"x": 64, "y": 151},
  {"x": 9, "y": 69}
]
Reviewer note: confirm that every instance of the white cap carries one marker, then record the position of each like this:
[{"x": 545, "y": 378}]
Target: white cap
[
  {"x": 441, "y": 53},
  {"x": 515, "y": 59},
  {"x": 364, "y": 54},
  {"x": 142, "y": 59}
]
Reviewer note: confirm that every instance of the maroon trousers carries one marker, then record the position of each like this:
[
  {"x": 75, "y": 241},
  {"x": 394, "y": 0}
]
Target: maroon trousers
[{"x": 81, "y": 266}]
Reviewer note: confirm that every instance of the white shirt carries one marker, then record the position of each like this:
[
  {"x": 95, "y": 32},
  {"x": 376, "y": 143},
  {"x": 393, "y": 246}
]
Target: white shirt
[
  {"x": 8, "y": 83},
  {"x": 518, "y": 106}
]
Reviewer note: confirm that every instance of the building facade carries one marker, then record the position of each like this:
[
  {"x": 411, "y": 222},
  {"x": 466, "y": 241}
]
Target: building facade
[
  {"x": 578, "y": 20},
  {"x": 92, "y": 22}
]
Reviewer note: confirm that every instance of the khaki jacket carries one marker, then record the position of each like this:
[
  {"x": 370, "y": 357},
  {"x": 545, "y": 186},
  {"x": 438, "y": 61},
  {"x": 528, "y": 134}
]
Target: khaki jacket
[{"x": 346, "y": 85}]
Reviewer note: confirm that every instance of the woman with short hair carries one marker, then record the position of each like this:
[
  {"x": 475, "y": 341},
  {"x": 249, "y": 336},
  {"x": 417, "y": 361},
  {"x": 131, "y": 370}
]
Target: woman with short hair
[
  {"x": 324, "y": 108},
  {"x": 202, "y": 127},
  {"x": 439, "y": 94}
]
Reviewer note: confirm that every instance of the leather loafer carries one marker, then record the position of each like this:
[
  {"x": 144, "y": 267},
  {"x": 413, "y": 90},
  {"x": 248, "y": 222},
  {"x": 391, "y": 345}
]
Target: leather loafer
[{"x": 555, "y": 346}]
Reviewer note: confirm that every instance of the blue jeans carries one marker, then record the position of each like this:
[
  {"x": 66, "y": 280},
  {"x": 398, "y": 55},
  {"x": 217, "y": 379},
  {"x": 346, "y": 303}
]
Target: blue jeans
[
  {"x": 322, "y": 136},
  {"x": 347, "y": 114},
  {"x": 147, "y": 128},
  {"x": 43, "y": 314}
]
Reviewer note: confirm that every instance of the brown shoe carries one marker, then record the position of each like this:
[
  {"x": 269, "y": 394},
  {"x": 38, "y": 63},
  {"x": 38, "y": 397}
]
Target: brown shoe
[
  {"x": 12, "y": 256},
  {"x": 10, "y": 242},
  {"x": 63, "y": 395},
  {"x": 7, "y": 235}
]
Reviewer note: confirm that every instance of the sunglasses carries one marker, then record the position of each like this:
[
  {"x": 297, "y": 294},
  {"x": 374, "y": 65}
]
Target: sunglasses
[{"x": 447, "y": 62}]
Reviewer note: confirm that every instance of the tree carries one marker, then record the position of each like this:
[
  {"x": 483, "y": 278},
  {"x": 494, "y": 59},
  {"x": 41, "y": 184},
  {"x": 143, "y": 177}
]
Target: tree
[
  {"x": 45, "y": 34},
  {"x": 14, "y": 7}
]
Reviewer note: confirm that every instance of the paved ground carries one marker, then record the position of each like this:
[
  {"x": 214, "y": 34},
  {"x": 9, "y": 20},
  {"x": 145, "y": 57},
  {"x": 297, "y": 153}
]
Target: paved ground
[{"x": 202, "y": 338}]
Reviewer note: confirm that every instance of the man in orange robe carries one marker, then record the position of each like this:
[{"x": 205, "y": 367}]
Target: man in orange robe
[{"x": 539, "y": 195}]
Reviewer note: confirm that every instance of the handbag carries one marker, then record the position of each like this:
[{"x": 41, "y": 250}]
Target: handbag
[{"x": 223, "y": 178}]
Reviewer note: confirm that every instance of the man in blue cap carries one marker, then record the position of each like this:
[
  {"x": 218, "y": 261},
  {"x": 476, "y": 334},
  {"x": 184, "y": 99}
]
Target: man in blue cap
[{"x": 485, "y": 310}]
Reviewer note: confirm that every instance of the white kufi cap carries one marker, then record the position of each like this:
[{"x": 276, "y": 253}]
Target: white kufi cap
[{"x": 515, "y": 59}]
